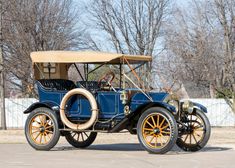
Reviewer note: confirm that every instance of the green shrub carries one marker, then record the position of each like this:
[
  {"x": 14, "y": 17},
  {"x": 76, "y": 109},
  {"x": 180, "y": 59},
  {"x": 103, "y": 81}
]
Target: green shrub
[{"x": 225, "y": 93}]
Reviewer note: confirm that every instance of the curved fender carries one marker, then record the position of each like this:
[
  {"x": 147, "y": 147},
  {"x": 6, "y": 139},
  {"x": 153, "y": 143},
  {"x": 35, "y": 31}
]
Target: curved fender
[
  {"x": 164, "y": 105},
  {"x": 199, "y": 107},
  {"x": 154, "y": 104},
  {"x": 34, "y": 106},
  {"x": 138, "y": 111}
]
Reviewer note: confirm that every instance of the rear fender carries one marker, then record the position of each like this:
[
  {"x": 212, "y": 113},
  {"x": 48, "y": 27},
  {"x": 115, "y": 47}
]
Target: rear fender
[
  {"x": 36, "y": 105},
  {"x": 53, "y": 107}
]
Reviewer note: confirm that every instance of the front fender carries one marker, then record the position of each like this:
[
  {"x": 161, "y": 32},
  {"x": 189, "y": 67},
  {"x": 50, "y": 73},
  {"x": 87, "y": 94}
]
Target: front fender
[
  {"x": 164, "y": 105},
  {"x": 145, "y": 106},
  {"x": 34, "y": 106},
  {"x": 199, "y": 107}
]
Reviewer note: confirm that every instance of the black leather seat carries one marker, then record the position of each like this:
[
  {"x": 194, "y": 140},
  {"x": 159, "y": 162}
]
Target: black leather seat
[
  {"x": 89, "y": 85},
  {"x": 57, "y": 84}
]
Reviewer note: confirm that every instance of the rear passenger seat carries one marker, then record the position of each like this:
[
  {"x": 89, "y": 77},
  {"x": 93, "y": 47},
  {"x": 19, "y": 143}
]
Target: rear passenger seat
[{"x": 57, "y": 84}]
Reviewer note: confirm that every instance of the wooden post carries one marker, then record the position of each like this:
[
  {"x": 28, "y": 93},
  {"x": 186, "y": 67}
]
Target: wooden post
[{"x": 2, "y": 94}]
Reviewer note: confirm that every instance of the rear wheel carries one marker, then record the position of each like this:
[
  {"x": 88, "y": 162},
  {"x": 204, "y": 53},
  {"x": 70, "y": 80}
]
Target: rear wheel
[
  {"x": 80, "y": 139},
  {"x": 157, "y": 130},
  {"x": 195, "y": 132},
  {"x": 41, "y": 129}
]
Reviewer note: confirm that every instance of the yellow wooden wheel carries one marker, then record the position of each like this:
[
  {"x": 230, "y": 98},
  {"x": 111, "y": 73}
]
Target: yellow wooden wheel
[
  {"x": 156, "y": 130},
  {"x": 194, "y": 132},
  {"x": 41, "y": 129},
  {"x": 80, "y": 139}
]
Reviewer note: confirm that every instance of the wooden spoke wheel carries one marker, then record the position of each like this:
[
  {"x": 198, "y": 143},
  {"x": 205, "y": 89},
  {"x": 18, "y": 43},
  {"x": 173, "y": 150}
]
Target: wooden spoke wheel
[
  {"x": 41, "y": 129},
  {"x": 195, "y": 132},
  {"x": 80, "y": 139},
  {"x": 157, "y": 130}
]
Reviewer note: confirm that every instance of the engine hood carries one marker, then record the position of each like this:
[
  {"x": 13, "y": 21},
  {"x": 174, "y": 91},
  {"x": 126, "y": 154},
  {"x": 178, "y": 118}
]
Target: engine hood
[{"x": 156, "y": 96}]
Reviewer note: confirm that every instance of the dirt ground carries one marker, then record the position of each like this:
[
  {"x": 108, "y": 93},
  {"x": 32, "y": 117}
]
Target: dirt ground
[
  {"x": 115, "y": 150},
  {"x": 224, "y": 136}
]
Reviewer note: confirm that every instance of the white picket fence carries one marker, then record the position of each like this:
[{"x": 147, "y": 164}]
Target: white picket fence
[
  {"x": 219, "y": 113},
  {"x": 14, "y": 111}
]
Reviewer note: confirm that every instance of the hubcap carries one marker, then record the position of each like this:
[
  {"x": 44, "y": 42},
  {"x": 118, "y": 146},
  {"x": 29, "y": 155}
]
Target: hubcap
[
  {"x": 156, "y": 131},
  {"x": 42, "y": 129}
]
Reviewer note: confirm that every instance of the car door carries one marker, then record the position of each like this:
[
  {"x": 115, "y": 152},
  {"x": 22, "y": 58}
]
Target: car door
[{"x": 108, "y": 103}]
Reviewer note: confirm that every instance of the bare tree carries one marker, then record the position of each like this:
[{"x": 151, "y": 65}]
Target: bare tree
[
  {"x": 33, "y": 25},
  {"x": 196, "y": 49},
  {"x": 202, "y": 44},
  {"x": 133, "y": 26},
  {"x": 224, "y": 12},
  {"x": 130, "y": 26}
]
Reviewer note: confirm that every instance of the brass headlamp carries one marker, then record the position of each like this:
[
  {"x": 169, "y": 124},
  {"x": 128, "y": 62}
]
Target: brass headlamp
[
  {"x": 173, "y": 100},
  {"x": 187, "y": 106}
]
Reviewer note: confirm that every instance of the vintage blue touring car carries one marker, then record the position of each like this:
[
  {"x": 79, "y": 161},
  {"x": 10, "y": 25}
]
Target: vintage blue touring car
[{"x": 80, "y": 110}]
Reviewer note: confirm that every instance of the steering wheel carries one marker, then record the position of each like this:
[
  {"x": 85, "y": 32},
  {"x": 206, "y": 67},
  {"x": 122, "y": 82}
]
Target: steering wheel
[{"x": 107, "y": 78}]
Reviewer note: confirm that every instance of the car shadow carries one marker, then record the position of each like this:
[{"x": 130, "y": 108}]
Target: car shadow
[
  {"x": 214, "y": 149},
  {"x": 137, "y": 147}
]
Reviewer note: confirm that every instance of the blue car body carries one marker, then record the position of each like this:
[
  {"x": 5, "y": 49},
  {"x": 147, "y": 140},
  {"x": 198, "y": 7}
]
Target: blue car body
[{"x": 109, "y": 103}]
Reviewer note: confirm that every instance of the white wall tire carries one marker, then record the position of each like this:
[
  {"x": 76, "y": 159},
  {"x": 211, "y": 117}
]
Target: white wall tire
[{"x": 94, "y": 109}]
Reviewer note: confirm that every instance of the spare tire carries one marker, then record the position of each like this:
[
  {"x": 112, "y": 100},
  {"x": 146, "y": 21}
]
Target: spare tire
[{"x": 94, "y": 109}]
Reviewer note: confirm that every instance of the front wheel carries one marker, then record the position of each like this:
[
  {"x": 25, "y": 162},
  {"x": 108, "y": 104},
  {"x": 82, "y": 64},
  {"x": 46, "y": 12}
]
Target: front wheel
[
  {"x": 41, "y": 129},
  {"x": 157, "y": 130},
  {"x": 80, "y": 139},
  {"x": 195, "y": 132}
]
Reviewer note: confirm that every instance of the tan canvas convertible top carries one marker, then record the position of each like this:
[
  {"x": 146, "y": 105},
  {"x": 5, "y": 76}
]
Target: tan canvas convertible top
[
  {"x": 60, "y": 61},
  {"x": 84, "y": 57}
]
